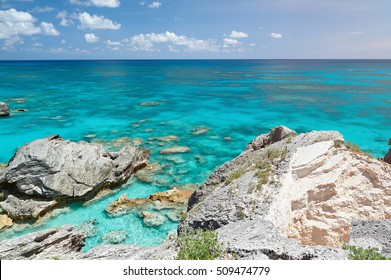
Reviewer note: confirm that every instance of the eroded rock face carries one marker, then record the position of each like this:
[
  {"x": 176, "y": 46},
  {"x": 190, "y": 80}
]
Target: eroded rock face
[
  {"x": 5, "y": 221},
  {"x": 174, "y": 198},
  {"x": 259, "y": 239},
  {"x": 26, "y": 209},
  {"x": 55, "y": 168},
  {"x": 56, "y": 243},
  {"x": 4, "y": 110},
  {"x": 310, "y": 186},
  {"x": 372, "y": 234}
]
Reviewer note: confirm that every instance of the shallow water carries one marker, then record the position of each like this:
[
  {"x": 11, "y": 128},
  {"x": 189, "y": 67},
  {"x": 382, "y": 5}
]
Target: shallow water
[{"x": 234, "y": 98}]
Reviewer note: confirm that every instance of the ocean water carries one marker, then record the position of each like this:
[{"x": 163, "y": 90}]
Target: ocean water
[{"x": 99, "y": 101}]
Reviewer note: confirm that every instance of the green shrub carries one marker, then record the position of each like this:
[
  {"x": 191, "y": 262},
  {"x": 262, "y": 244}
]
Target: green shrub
[
  {"x": 199, "y": 245},
  {"x": 273, "y": 153},
  {"x": 359, "y": 253},
  {"x": 352, "y": 146},
  {"x": 234, "y": 175}
]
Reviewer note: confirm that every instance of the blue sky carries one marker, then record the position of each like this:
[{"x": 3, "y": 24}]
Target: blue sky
[{"x": 137, "y": 29}]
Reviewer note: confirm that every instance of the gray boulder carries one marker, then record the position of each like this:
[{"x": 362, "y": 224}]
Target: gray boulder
[
  {"x": 55, "y": 168},
  {"x": 56, "y": 243},
  {"x": 4, "y": 110},
  {"x": 372, "y": 234}
]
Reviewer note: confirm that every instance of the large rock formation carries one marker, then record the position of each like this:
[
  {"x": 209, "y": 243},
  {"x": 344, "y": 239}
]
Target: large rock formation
[
  {"x": 52, "y": 169},
  {"x": 55, "y": 168},
  {"x": 56, "y": 243},
  {"x": 4, "y": 110},
  {"x": 66, "y": 242},
  {"x": 311, "y": 187}
]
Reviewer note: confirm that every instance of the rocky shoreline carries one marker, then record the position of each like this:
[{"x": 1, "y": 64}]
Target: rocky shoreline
[{"x": 287, "y": 196}]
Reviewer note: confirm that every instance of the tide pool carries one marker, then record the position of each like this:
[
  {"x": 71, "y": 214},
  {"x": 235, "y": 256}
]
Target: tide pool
[{"x": 99, "y": 101}]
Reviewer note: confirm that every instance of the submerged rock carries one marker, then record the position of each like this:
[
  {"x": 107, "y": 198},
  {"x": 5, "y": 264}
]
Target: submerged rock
[
  {"x": 5, "y": 221},
  {"x": 168, "y": 138},
  {"x": 55, "y": 243},
  {"x": 4, "y": 110},
  {"x": 175, "y": 150},
  {"x": 88, "y": 228},
  {"x": 152, "y": 103},
  {"x": 114, "y": 237},
  {"x": 55, "y": 168},
  {"x": 198, "y": 130},
  {"x": 310, "y": 186},
  {"x": 152, "y": 219}
]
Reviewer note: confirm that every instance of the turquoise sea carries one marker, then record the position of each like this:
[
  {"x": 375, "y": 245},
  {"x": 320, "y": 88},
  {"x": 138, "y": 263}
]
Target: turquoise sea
[{"x": 99, "y": 101}]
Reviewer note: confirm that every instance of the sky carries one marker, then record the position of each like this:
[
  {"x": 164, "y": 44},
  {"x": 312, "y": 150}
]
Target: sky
[{"x": 195, "y": 29}]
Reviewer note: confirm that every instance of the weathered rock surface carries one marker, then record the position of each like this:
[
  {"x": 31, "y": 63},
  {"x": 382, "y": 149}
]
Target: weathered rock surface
[
  {"x": 4, "y": 110},
  {"x": 55, "y": 168},
  {"x": 26, "y": 209},
  {"x": 259, "y": 239},
  {"x": 56, "y": 243},
  {"x": 5, "y": 221},
  {"x": 310, "y": 186},
  {"x": 173, "y": 198},
  {"x": 165, "y": 251},
  {"x": 372, "y": 234}
]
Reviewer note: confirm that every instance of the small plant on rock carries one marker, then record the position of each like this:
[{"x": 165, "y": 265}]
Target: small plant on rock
[
  {"x": 359, "y": 253},
  {"x": 234, "y": 175},
  {"x": 199, "y": 245}
]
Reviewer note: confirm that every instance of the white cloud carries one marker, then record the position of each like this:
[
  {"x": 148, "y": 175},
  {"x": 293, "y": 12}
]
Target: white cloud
[
  {"x": 65, "y": 21},
  {"x": 97, "y": 3},
  {"x": 106, "y": 3},
  {"x": 45, "y": 9},
  {"x": 142, "y": 3},
  {"x": 79, "y": 3},
  {"x": 154, "y": 5},
  {"x": 91, "y": 38},
  {"x": 237, "y": 35},
  {"x": 49, "y": 29},
  {"x": 276, "y": 35},
  {"x": 95, "y": 22},
  {"x": 113, "y": 43},
  {"x": 230, "y": 41},
  {"x": 146, "y": 42},
  {"x": 15, "y": 24}
]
